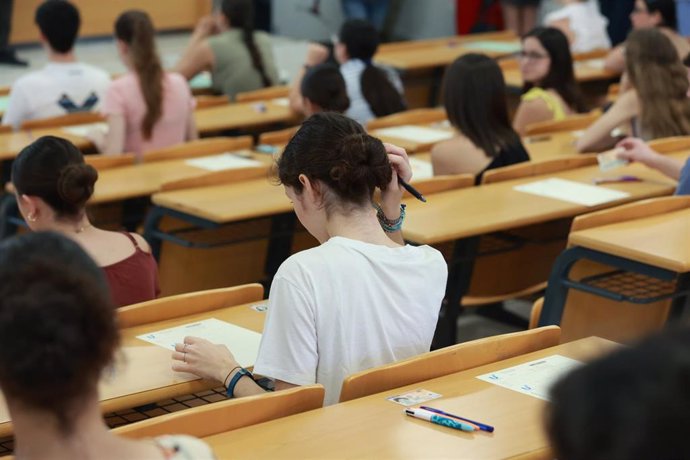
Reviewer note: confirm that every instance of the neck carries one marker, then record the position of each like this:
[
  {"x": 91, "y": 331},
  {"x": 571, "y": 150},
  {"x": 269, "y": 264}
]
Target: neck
[
  {"x": 38, "y": 434},
  {"x": 71, "y": 228},
  {"x": 361, "y": 225},
  {"x": 67, "y": 57}
]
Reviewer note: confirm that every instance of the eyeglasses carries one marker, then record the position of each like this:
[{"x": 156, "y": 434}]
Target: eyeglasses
[{"x": 531, "y": 56}]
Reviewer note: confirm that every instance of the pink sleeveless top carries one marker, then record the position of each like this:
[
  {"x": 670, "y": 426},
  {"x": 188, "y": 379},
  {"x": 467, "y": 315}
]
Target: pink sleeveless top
[{"x": 134, "y": 279}]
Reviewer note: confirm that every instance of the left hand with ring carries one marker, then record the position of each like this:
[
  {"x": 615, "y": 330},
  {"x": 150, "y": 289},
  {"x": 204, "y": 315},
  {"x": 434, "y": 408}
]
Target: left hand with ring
[{"x": 204, "y": 359}]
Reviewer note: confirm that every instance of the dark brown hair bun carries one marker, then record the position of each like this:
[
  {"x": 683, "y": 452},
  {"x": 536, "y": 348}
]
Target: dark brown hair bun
[{"x": 75, "y": 184}]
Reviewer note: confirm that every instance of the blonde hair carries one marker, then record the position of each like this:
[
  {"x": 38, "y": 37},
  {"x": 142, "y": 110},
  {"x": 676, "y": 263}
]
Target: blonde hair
[{"x": 661, "y": 82}]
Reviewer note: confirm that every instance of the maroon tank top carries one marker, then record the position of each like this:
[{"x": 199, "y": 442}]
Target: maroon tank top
[{"x": 134, "y": 279}]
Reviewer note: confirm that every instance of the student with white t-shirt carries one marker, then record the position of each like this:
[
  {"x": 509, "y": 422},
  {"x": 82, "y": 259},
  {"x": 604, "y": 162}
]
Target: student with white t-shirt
[
  {"x": 63, "y": 85},
  {"x": 359, "y": 300},
  {"x": 583, "y": 24}
]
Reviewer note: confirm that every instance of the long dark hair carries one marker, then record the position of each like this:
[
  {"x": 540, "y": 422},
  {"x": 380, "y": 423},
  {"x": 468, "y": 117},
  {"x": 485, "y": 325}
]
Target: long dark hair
[
  {"x": 361, "y": 41},
  {"x": 240, "y": 15},
  {"x": 324, "y": 86},
  {"x": 135, "y": 28},
  {"x": 667, "y": 10},
  {"x": 561, "y": 76},
  {"x": 474, "y": 98}
]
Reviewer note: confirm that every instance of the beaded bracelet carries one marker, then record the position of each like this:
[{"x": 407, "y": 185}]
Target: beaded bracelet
[{"x": 390, "y": 226}]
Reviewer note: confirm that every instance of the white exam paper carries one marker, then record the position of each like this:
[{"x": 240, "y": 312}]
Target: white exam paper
[
  {"x": 534, "y": 378},
  {"x": 421, "y": 169},
  {"x": 415, "y": 133},
  {"x": 572, "y": 192},
  {"x": 243, "y": 343},
  {"x": 85, "y": 130},
  {"x": 281, "y": 101},
  {"x": 222, "y": 162}
]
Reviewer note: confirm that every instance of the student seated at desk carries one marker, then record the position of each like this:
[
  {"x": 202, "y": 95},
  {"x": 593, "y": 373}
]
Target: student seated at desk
[
  {"x": 239, "y": 58},
  {"x": 58, "y": 334},
  {"x": 323, "y": 90},
  {"x": 474, "y": 98},
  {"x": 64, "y": 85},
  {"x": 583, "y": 24},
  {"x": 657, "y": 106},
  {"x": 373, "y": 91},
  {"x": 637, "y": 150},
  {"x": 359, "y": 300},
  {"x": 52, "y": 185},
  {"x": 659, "y": 14},
  {"x": 629, "y": 405},
  {"x": 146, "y": 108},
  {"x": 551, "y": 92}
]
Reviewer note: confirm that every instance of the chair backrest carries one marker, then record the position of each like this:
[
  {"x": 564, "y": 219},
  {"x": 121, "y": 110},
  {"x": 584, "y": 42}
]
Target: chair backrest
[
  {"x": 571, "y": 123},
  {"x": 529, "y": 168},
  {"x": 199, "y": 147},
  {"x": 670, "y": 144},
  {"x": 448, "y": 360},
  {"x": 278, "y": 137},
  {"x": 187, "y": 304},
  {"x": 6, "y": 129},
  {"x": 438, "y": 184},
  {"x": 408, "y": 117},
  {"x": 535, "y": 313},
  {"x": 205, "y": 101},
  {"x": 77, "y": 118},
  {"x": 228, "y": 415},
  {"x": 263, "y": 94},
  {"x": 218, "y": 178},
  {"x": 101, "y": 162},
  {"x": 593, "y": 54}
]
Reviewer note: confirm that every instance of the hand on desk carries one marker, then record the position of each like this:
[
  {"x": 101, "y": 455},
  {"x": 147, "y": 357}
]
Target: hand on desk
[
  {"x": 202, "y": 358},
  {"x": 636, "y": 150}
]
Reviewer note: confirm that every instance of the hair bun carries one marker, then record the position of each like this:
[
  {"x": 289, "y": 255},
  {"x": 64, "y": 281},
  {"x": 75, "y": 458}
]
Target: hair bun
[
  {"x": 364, "y": 164},
  {"x": 75, "y": 184}
]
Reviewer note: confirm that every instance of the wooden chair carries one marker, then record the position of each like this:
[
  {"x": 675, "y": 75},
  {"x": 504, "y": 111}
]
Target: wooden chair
[
  {"x": 206, "y": 101},
  {"x": 593, "y": 54},
  {"x": 442, "y": 183},
  {"x": 199, "y": 147},
  {"x": 529, "y": 168},
  {"x": 571, "y": 123},
  {"x": 228, "y": 415},
  {"x": 585, "y": 315},
  {"x": 101, "y": 162},
  {"x": 670, "y": 144},
  {"x": 280, "y": 137},
  {"x": 264, "y": 94},
  {"x": 447, "y": 361},
  {"x": 187, "y": 304},
  {"x": 409, "y": 117},
  {"x": 71, "y": 119},
  {"x": 218, "y": 178}
]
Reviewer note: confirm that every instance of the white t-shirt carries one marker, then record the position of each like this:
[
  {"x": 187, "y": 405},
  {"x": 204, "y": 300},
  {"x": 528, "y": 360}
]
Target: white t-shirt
[
  {"x": 587, "y": 23},
  {"x": 359, "y": 109},
  {"x": 346, "y": 306},
  {"x": 57, "y": 89}
]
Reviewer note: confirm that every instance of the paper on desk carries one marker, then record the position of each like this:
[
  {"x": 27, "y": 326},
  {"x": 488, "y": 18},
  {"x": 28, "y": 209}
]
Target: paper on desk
[
  {"x": 495, "y": 46},
  {"x": 415, "y": 133},
  {"x": 86, "y": 129},
  {"x": 281, "y": 101},
  {"x": 222, "y": 162},
  {"x": 421, "y": 169},
  {"x": 243, "y": 343},
  {"x": 534, "y": 378},
  {"x": 572, "y": 192}
]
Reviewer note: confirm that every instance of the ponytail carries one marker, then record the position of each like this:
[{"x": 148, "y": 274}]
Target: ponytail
[
  {"x": 135, "y": 28},
  {"x": 240, "y": 15}
]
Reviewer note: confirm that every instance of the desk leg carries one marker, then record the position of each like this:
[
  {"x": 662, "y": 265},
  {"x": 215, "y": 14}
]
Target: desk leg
[
  {"x": 459, "y": 276},
  {"x": 435, "y": 89},
  {"x": 153, "y": 219},
  {"x": 680, "y": 304},
  {"x": 279, "y": 244},
  {"x": 556, "y": 290}
]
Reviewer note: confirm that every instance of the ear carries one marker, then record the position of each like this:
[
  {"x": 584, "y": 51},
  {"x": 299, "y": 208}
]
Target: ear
[
  {"x": 656, "y": 18},
  {"x": 29, "y": 205},
  {"x": 311, "y": 190}
]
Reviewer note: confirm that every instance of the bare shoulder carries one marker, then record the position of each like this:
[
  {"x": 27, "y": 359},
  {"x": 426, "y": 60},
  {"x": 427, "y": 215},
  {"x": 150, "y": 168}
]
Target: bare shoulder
[
  {"x": 141, "y": 242},
  {"x": 457, "y": 156}
]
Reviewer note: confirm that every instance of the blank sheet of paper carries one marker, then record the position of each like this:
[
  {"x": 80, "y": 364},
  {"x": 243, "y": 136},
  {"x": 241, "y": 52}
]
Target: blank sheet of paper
[
  {"x": 534, "y": 378},
  {"x": 493, "y": 46},
  {"x": 243, "y": 343},
  {"x": 572, "y": 192},
  {"x": 84, "y": 130},
  {"x": 415, "y": 133},
  {"x": 222, "y": 162},
  {"x": 421, "y": 169}
]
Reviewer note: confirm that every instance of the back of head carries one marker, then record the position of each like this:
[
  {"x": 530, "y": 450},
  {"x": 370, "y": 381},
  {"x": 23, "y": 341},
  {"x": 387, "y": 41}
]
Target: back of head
[
  {"x": 53, "y": 169},
  {"x": 474, "y": 99},
  {"x": 59, "y": 23},
  {"x": 134, "y": 28},
  {"x": 324, "y": 86},
  {"x": 632, "y": 404},
  {"x": 57, "y": 324},
  {"x": 667, "y": 11},
  {"x": 336, "y": 151},
  {"x": 240, "y": 15},
  {"x": 661, "y": 82},
  {"x": 561, "y": 76},
  {"x": 361, "y": 40}
]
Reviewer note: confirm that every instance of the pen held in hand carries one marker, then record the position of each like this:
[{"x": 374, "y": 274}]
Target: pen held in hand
[{"x": 413, "y": 191}]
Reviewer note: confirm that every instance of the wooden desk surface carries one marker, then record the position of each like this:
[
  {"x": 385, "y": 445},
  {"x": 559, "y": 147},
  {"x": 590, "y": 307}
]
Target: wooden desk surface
[
  {"x": 142, "y": 372},
  {"x": 410, "y": 145},
  {"x": 662, "y": 240},
  {"x": 585, "y": 71},
  {"x": 12, "y": 143},
  {"x": 373, "y": 427},
  {"x": 239, "y": 115},
  {"x": 479, "y": 210}
]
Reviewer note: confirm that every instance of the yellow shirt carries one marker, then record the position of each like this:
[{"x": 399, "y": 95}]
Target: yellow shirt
[{"x": 551, "y": 100}]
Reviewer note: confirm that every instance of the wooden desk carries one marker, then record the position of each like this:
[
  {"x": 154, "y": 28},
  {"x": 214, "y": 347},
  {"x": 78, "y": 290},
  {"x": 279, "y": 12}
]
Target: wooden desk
[
  {"x": 142, "y": 372},
  {"x": 12, "y": 143},
  {"x": 373, "y": 427},
  {"x": 589, "y": 70},
  {"x": 243, "y": 115}
]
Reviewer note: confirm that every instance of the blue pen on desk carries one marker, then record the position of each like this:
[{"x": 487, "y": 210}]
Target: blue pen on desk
[
  {"x": 482, "y": 426},
  {"x": 438, "y": 419}
]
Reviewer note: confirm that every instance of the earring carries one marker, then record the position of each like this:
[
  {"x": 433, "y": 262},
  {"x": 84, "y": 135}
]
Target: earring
[{"x": 31, "y": 217}]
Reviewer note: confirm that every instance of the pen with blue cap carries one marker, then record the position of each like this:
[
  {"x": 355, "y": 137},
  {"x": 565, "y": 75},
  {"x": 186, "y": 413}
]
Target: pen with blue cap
[
  {"x": 481, "y": 426},
  {"x": 439, "y": 419}
]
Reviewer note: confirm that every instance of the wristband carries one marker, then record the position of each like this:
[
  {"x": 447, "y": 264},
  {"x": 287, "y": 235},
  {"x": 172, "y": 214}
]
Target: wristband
[
  {"x": 236, "y": 378},
  {"x": 390, "y": 226},
  {"x": 225, "y": 380}
]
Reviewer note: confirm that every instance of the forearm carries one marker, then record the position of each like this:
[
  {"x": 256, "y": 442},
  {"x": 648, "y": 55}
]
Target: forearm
[{"x": 668, "y": 166}]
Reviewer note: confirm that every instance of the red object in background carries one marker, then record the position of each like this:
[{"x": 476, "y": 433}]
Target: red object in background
[{"x": 469, "y": 16}]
